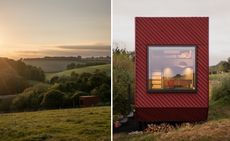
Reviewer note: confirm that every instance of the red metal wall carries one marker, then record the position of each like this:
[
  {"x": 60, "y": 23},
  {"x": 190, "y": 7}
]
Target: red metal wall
[{"x": 171, "y": 31}]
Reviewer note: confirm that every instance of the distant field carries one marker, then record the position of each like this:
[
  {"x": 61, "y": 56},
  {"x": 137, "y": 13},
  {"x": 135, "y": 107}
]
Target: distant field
[
  {"x": 83, "y": 124},
  {"x": 50, "y": 65},
  {"x": 57, "y": 65},
  {"x": 90, "y": 69}
]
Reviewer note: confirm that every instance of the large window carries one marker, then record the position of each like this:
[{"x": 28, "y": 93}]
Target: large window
[{"x": 171, "y": 68}]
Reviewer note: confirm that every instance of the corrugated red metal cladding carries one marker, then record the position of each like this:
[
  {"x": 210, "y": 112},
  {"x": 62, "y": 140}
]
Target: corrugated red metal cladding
[{"x": 171, "y": 31}]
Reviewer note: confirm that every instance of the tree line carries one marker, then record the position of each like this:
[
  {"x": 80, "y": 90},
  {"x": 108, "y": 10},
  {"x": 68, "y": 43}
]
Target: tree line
[
  {"x": 14, "y": 76},
  {"x": 86, "y": 64},
  {"x": 70, "y": 58},
  {"x": 222, "y": 66},
  {"x": 61, "y": 92}
]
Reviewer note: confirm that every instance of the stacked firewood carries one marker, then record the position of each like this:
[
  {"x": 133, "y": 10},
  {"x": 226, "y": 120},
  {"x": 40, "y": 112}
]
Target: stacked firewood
[
  {"x": 136, "y": 133},
  {"x": 152, "y": 128}
]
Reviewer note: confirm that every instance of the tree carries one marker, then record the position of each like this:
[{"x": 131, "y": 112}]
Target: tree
[
  {"x": 228, "y": 60},
  {"x": 54, "y": 80},
  {"x": 76, "y": 96},
  {"x": 78, "y": 57},
  {"x": 11, "y": 83},
  {"x": 52, "y": 99},
  {"x": 20, "y": 102},
  {"x": 121, "y": 104},
  {"x": 103, "y": 91},
  {"x": 28, "y": 72},
  {"x": 30, "y": 99},
  {"x": 71, "y": 66},
  {"x": 223, "y": 66},
  {"x": 123, "y": 77},
  {"x": 97, "y": 78},
  {"x": 82, "y": 81}
]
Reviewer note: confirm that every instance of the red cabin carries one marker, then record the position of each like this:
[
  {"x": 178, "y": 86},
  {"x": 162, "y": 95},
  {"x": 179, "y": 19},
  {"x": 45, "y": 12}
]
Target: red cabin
[
  {"x": 171, "y": 69},
  {"x": 88, "y": 101}
]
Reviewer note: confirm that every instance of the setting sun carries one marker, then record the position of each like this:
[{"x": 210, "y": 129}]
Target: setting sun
[{"x": 37, "y": 29}]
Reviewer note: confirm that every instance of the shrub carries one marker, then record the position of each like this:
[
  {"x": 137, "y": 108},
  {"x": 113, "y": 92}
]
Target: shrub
[
  {"x": 68, "y": 86},
  {"x": 11, "y": 83},
  {"x": 52, "y": 99},
  {"x": 72, "y": 99},
  {"x": 20, "y": 102},
  {"x": 221, "y": 92},
  {"x": 123, "y": 79},
  {"x": 97, "y": 79},
  {"x": 38, "y": 88},
  {"x": 75, "y": 97},
  {"x": 5, "y": 104},
  {"x": 54, "y": 80},
  {"x": 121, "y": 105},
  {"x": 103, "y": 91},
  {"x": 30, "y": 99}
]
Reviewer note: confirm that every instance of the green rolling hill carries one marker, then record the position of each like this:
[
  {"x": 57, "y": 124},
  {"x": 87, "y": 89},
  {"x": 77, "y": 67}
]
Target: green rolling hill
[{"x": 90, "y": 69}]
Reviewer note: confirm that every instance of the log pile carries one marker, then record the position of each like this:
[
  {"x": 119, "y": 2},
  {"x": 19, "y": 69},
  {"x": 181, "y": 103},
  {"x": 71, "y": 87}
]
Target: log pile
[
  {"x": 152, "y": 128},
  {"x": 136, "y": 133}
]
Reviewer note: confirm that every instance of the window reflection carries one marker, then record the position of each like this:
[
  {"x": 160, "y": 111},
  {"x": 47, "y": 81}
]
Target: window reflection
[{"x": 171, "y": 68}]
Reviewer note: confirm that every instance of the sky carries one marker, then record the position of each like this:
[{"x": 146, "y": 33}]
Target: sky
[
  {"x": 38, "y": 28},
  {"x": 218, "y": 12}
]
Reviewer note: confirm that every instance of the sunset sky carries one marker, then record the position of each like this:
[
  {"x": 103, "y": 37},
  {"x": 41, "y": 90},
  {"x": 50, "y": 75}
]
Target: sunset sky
[{"x": 37, "y": 28}]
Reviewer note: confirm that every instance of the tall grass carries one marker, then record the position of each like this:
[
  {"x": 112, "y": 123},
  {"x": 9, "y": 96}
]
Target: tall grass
[
  {"x": 218, "y": 77},
  {"x": 221, "y": 92}
]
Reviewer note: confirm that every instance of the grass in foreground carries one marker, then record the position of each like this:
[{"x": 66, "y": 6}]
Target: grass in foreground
[
  {"x": 216, "y": 130},
  {"x": 89, "y": 69},
  {"x": 81, "y": 124}
]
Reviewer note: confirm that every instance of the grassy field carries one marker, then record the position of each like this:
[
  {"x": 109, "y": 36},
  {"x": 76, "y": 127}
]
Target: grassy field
[
  {"x": 217, "y": 128},
  {"x": 89, "y": 69},
  {"x": 81, "y": 124}
]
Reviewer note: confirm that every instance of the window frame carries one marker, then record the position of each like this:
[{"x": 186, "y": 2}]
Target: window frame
[{"x": 154, "y": 91}]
